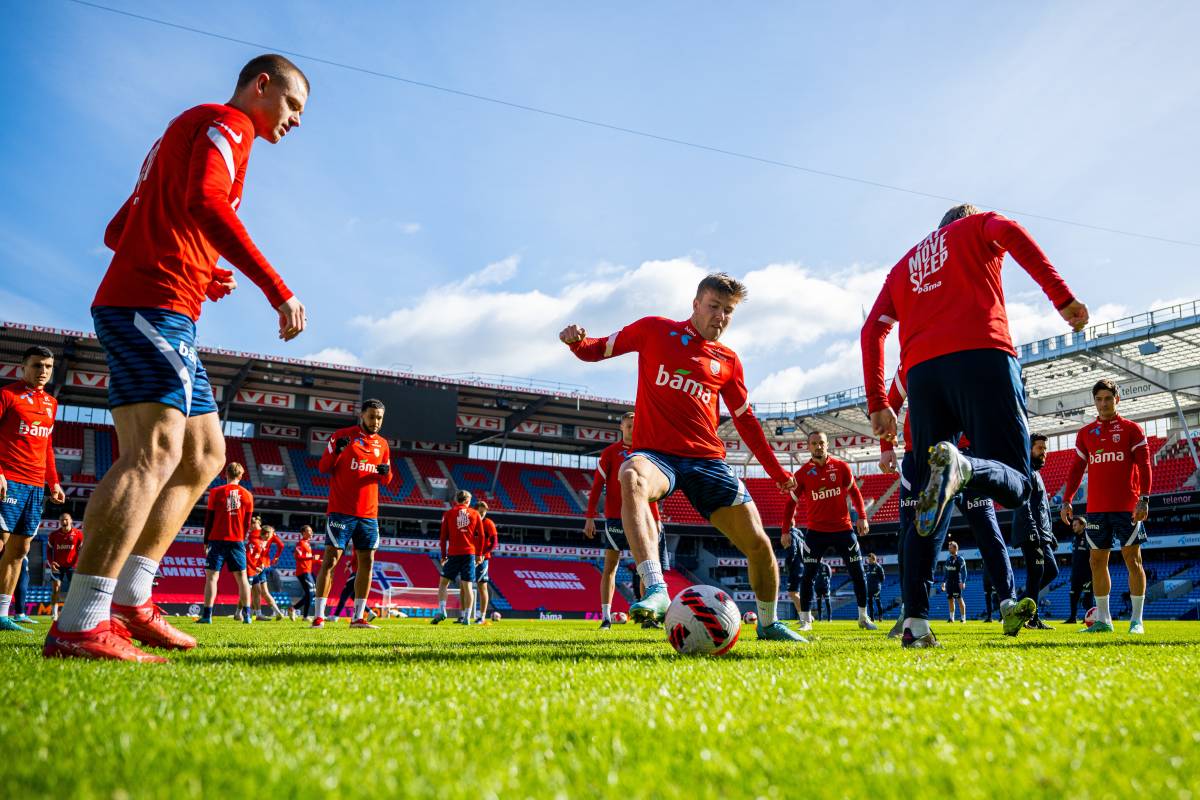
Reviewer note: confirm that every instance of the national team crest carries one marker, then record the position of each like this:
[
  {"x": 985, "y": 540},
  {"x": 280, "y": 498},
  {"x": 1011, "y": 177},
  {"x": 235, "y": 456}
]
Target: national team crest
[
  {"x": 714, "y": 367},
  {"x": 1116, "y": 437}
]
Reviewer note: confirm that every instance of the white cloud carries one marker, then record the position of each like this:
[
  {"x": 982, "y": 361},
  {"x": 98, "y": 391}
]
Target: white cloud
[
  {"x": 334, "y": 355},
  {"x": 409, "y": 228},
  {"x": 493, "y": 274}
]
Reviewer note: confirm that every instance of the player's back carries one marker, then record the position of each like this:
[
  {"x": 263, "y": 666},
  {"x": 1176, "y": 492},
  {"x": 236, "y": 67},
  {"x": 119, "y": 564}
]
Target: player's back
[
  {"x": 230, "y": 504},
  {"x": 461, "y": 528},
  {"x": 162, "y": 259}
]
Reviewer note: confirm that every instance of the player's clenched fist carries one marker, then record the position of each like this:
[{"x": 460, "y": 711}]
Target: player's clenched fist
[{"x": 572, "y": 334}]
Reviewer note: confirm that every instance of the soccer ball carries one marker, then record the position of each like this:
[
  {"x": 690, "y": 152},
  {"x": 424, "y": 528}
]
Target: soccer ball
[
  {"x": 1089, "y": 619},
  {"x": 620, "y": 618},
  {"x": 496, "y": 616},
  {"x": 703, "y": 620},
  {"x": 749, "y": 618}
]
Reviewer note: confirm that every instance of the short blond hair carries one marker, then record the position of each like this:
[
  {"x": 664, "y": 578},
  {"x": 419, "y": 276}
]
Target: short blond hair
[{"x": 234, "y": 470}]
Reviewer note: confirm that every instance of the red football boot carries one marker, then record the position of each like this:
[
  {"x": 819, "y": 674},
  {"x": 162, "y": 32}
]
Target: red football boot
[
  {"x": 318, "y": 622},
  {"x": 108, "y": 640},
  {"x": 147, "y": 625}
]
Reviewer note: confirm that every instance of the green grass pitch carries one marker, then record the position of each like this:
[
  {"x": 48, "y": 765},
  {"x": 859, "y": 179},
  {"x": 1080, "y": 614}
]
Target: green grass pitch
[{"x": 560, "y": 709}]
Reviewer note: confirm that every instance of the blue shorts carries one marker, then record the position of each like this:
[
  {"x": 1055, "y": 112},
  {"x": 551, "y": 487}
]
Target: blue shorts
[
  {"x": 459, "y": 568},
  {"x": 259, "y": 579},
  {"x": 481, "y": 572},
  {"x": 953, "y": 591},
  {"x": 614, "y": 535},
  {"x": 793, "y": 560},
  {"x": 1108, "y": 529},
  {"x": 341, "y": 529},
  {"x": 231, "y": 554},
  {"x": 62, "y": 576},
  {"x": 708, "y": 483},
  {"x": 21, "y": 511},
  {"x": 152, "y": 358}
]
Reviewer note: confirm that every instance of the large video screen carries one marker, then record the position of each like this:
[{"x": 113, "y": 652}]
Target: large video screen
[{"x": 418, "y": 413}]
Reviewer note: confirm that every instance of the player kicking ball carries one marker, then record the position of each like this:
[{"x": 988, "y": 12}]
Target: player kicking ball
[
  {"x": 682, "y": 371},
  {"x": 1114, "y": 452},
  {"x": 359, "y": 460}
]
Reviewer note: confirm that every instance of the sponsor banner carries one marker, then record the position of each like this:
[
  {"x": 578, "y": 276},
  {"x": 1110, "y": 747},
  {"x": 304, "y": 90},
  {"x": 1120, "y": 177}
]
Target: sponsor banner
[
  {"x": 833, "y": 561},
  {"x": 851, "y": 441},
  {"x": 734, "y": 445},
  {"x": 10, "y": 372},
  {"x": 270, "y": 430},
  {"x": 480, "y": 422},
  {"x": 258, "y": 397},
  {"x": 68, "y": 452},
  {"x": 319, "y": 436},
  {"x": 274, "y": 470},
  {"x": 438, "y": 447},
  {"x": 1174, "y": 500},
  {"x": 332, "y": 405},
  {"x": 87, "y": 380},
  {"x": 532, "y": 584},
  {"x": 532, "y": 428},
  {"x": 748, "y": 597},
  {"x": 605, "y": 435},
  {"x": 439, "y": 483}
]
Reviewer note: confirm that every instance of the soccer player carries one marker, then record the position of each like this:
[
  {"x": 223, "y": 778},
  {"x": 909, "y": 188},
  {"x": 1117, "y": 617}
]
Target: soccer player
[
  {"x": 605, "y": 480},
  {"x": 256, "y": 557},
  {"x": 230, "y": 508},
  {"x": 460, "y": 541},
  {"x": 1081, "y": 569},
  {"x": 875, "y": 576},
  {"x": 954, "y": 581},
  {"x": 306, "y": 562},
  {"x": 822, "y": 582},
  {"x": 63, "y": 554},
  {"x": 490, "y": 538},
  {"x": 271, "y": 544},
  {"x": 1114, "y": 452},
  {"x": 1041, "y": 568},
  {"x": 962, "y": 377},
  {"x": 26, "y": 468},
  {"x": 359, "y": 460},
  {"x": 793, "y": 563},
  {"x": 824, "y": 484},
  {"x": 682, "y": 370},
  {"x": 165, "y": 240}
]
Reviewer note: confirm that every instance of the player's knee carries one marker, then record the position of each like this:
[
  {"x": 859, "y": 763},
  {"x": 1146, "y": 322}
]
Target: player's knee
[
  {"x": 634, "y": 485},
  {"x": 160, "y": 453}
]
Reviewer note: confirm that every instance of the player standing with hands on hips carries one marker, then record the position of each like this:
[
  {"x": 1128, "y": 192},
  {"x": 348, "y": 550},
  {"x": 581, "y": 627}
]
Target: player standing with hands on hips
[{"x": 165, "y": 240}]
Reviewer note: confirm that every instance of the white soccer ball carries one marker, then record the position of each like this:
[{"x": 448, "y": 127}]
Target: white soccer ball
[
  {"x": 703, "y": 620},
  {"x": 1089, "y": 619},
  {"x": 620, "y": 618},
  {"x": 749, "y": 618},
  {"x": 496, "y": 616}
]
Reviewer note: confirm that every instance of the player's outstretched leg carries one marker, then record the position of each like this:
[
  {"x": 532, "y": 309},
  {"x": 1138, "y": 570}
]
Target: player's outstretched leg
[
  {"x": 642, "y": 480},
  {"x": 949, "y": 472}
]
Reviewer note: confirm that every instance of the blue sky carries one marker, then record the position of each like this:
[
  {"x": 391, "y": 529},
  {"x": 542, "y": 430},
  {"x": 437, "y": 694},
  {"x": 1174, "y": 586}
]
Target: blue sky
[{"x": 453, "y": 235}]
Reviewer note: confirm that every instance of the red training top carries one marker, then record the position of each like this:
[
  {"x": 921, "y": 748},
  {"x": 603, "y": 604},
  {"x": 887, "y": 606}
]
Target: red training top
[
  {"x": 605, "y": 479},
  {"x": 64, "y": 547},
  {"x": 897, "y": 395},
  {"x": 1117, "y": 460},
  {"x": 824, "y": 487},
  {"x": 306, "y": 562},
  {"x": 273, "y": 541},
  {"x": 354, "y": 489},
  {"x": 490, "y": 537},
  {"x": 947, "y": 295},
  {"x": 680, "y": 375},
  {"x": 182, "y": 215},
  {"x": 256, "y": 555},
  {"x": 462, "y": 532},
  {"x": 26, "y": 425},
  {"x": 230, "y": 508}
]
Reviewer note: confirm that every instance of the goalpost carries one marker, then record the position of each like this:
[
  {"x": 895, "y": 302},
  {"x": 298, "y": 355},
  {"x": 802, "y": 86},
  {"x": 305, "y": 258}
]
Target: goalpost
[{"x": 404, "y": 600}]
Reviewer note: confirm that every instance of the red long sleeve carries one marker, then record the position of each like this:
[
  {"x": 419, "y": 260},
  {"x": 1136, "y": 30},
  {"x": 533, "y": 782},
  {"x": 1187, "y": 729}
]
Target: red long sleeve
[
  {"x": 1009, "y": 236},
  {"x": 208, "y": 203},
  {"x": 752, "y": 434},
  {"x": 328, "y": 458},
  {"x": 1074, "y": 478},
  {"x": 112, "y": 233},
  {"x": 1141, "y": 460},
  {"x": 52, "y": 465},
  {"x": 875, "y": 330},
  {"x": 895, "y": 401},
  {"x": 594, "y": 494},
  {"x": 789, "y": 512},
  {"x": 444, "y": 536}
]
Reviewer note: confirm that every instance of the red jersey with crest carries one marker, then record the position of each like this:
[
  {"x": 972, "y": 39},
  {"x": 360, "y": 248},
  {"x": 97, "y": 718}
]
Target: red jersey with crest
[
  {"x": 490, "y": 537},
  {"x": 256, "y": 555},
  {"x": 1117, "y": 459},
  {"x": 605, "y": 479},
  {"x": 680, "y": 376},
  {"x": 947, "y": 295},
  {"x": 274, "y": 547},
  {"x": 26, "y": 425},
  {"x": 462, "y": 532},
  {"x": 354, "y": 489},
  {"x": 64, "y": 546},
  {"x": 306, "y": 562},
  {"x": 824, "y": 489},
  {"x": 232, "y": 506},
  {"x": 183, "y": 214}
]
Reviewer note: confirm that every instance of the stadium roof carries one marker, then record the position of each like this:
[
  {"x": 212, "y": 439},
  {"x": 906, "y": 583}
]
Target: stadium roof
[{"x": 1153, "y": 356}]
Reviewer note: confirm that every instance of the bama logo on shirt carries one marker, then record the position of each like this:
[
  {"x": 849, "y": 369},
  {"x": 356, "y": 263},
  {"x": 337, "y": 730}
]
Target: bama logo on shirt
[
  {"x": 362, "y": 466},
  {"x": 1101, "y": 457},
  {"x": 929, "y": 257},
  {"x": 681, "y": 382},
  {"x": 36, "y": 429},
  {"x": 826, "y": 492}
]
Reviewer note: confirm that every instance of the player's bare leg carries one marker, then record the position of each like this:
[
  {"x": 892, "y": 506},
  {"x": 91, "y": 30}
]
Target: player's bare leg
[
  {"x": 466, "y": 598},
  {"x": 1137, "y": 585},
  {"x": 795, "y": 598},
  {"x": 329, "y": 562},
  {"x": 1101, "y": 590},
  {"x": 608, "y": 586},
  {"x": 485, "y": 600},
  {"x": 641, "y": 482},
  {"x": 365, "y": 560},
  {"x": 743, "y": 527},
  {"x": 15, "y": 549}
]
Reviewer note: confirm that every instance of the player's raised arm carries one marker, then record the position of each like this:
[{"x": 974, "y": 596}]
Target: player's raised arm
[
  {"x": 1009, "y": 236},
  {"x": 585, "y": 348},
  {"x": 332, "y": 450},
  {"x": 737, "y": 400},
  {"x": 875, "y": 330}
]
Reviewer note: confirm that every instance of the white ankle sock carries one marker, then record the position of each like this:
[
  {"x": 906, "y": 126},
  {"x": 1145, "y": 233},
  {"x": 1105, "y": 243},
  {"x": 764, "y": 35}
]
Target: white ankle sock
[
  {"x": 88, "y": 603},
  {"x": 442, "y": 607},
  {"x": 360, "y": 608},
  {"x": 767, "y": 612},
  {"x": 321, "y": 602},
  {"x": 135, "y": 581},
  {"x": 918, "y": 627},
  {"x": 5, "y": 604},
  {"x": 1102, "y": 611},
  {"x": 1137, "y": 601},
  {"x": 606, "y": 612},
  {"x": 651, "y": 574},
  {"x": 862, "y": 614}
]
